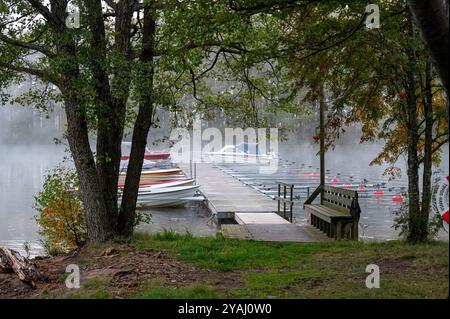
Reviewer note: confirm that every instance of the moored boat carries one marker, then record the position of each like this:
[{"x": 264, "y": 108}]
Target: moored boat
[
  {"x": 166, "y": 197},
  {"x": 173, "y": 183},
  {"x": 150, "y": 156},
  {"x": 162, "y": 184},
  {"x": 147, "y": 164},
  {"x": 147, "y": 179},
  {"x": 159, "y": 172},
  {"x": 162, "y": 172},
  {"x": 242, "y": 152}
]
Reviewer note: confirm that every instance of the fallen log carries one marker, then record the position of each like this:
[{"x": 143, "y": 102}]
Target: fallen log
[{"x": 13, "y": 261}]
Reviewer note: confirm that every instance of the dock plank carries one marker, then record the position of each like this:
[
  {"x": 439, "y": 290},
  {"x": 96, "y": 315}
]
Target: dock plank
[
  {"x": 228, "y": 195},
  {"x": 283, "y": 232},
  {"x": 260, "y": 218}
]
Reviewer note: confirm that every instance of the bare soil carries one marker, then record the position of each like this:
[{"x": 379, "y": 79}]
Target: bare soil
[{"x": 126, "y": 269}]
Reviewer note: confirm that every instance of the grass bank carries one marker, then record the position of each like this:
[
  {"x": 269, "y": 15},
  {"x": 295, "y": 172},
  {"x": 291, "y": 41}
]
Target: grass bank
[{"x": 217, "y": 267}]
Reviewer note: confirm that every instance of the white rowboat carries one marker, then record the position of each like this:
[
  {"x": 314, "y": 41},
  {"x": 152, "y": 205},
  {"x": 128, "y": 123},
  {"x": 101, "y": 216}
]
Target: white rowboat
[{"x": 166, "y": 197}]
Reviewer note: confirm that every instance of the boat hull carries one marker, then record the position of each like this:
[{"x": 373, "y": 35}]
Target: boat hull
[
  {"x": 158, "y": 172},
  {"x": 164, "y": 183},
  {"x": 166, "y": 197},
  {"x": 151, "y": 156},
  {"x": 172, "y": 183},
  {"x": 149, "y": 180},
  {"x": 162, "y": 172}
]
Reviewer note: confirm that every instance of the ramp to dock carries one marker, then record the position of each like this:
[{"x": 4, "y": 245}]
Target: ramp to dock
[
  {"x": 274, "y": 232},
  {"x": 254, "y": 212}
]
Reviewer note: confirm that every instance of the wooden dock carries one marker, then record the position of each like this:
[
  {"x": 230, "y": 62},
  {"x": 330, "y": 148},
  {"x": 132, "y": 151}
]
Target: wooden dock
[{"x": 254, "y": 212}]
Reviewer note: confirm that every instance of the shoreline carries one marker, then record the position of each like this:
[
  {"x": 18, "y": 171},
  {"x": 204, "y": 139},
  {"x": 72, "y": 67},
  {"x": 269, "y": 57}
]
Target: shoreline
[{"x": 170, "y": 265}]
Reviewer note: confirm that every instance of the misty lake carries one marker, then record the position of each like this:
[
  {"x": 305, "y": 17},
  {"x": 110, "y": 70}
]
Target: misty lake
[{"x": 24, "y": 168}]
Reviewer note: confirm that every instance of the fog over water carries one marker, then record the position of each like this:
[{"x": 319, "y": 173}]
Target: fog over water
[
  {"x": 27, "y": 153},
  {"x": 21, "y": 177}
]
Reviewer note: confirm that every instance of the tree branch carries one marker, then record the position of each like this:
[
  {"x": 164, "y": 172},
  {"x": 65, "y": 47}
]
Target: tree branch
[
  {"x": 46, "y": 13},
  {"x": 26, "y": 45},
  {"x": 31, "y": 71},
  {"x": 261, "y": 6}
]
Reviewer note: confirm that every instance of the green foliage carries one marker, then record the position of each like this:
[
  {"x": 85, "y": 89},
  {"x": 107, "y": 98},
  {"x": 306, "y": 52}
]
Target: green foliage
[
  {"x": 402, "y": 222},
  {"x": 27, "y": 248},
  {"x": 3, "y": 7},
  {"x": 170, "y": 235},
  {"x": 60, "y": 212},
  {"x": 142, "y": 217},
  {"x": 161, "y": 292}
]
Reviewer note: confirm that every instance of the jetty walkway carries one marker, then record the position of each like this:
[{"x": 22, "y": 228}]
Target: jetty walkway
[{"x": 253, "y": 213}]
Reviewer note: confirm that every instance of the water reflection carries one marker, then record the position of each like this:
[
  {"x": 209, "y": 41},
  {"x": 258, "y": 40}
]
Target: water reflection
[{"x": 194, "y": 218}]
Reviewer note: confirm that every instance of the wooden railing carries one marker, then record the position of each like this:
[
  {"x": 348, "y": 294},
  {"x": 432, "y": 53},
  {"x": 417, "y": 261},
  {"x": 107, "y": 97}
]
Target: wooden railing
[{"x": 285, "y": 200}]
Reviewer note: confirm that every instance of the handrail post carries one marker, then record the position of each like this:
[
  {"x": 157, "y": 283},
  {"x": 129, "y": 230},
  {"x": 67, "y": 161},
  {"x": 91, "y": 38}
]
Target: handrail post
[
  {"x": 322, "y": 133},
  {"x": 195, "y": 173},
  {"x": 279, "y": 194},
  {"x": 292, "y": 201}
]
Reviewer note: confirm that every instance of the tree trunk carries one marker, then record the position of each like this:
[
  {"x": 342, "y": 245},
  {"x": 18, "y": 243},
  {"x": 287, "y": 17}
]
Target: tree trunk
[
  {"x": 415, "y": 220},
  {"x": 141, "y": 127},
  {"x": 110, "y": 109},
  {"x": 98, "y": 218},
  {"x": 416, "y": 230},
  {"x": 431, "y": 17},
  {"x": 106, "y": 154},
  {"x": 427, "y": 157},
  {"x": 109, "y": 137},
  {"x": 322, "y": 107}
]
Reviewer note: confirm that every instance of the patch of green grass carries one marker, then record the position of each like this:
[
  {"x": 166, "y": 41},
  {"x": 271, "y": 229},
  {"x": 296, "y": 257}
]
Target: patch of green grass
[
  {"x": 280, "y": 284},
  {"x": 96, "y": 282},
  {"x": 227, "y": 254},
  {"x": 93, "y": 288},
  {"x": 45, "y": 292},
  {"x": 282, "y": 279},
  {"x": 334, "y": 269},
  {"x": 193, "y": 292},
  {"x": 89, "y": 294},
  {"x": 63, "y": 276},
  {"x": 170, "y": 235}
]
